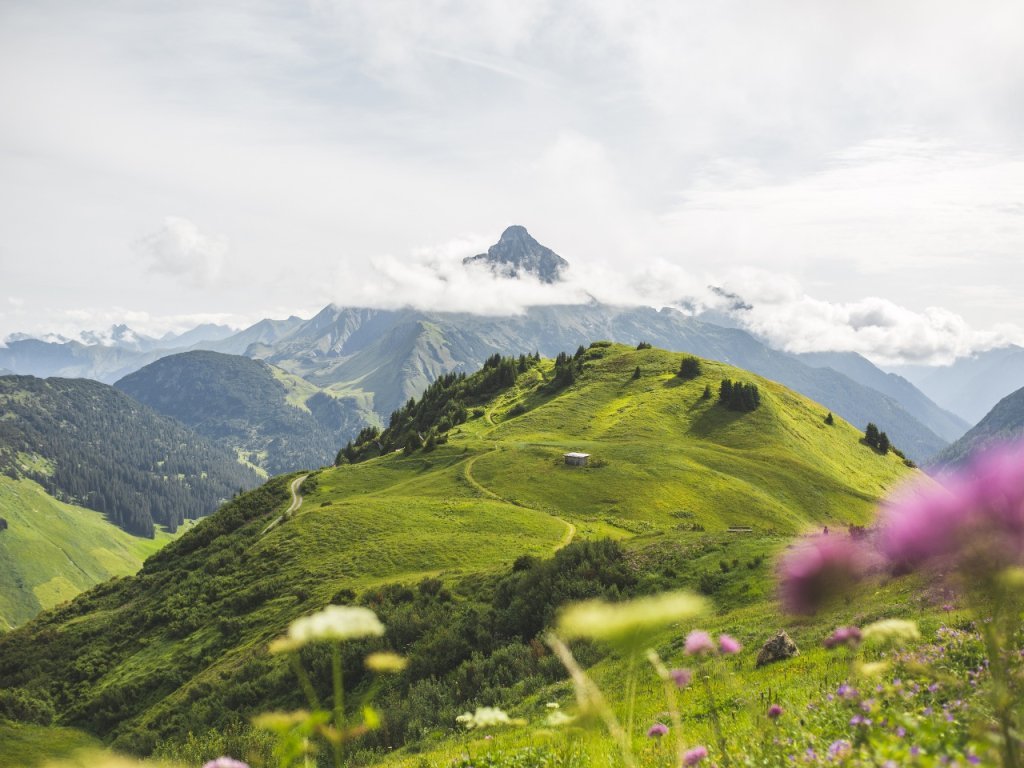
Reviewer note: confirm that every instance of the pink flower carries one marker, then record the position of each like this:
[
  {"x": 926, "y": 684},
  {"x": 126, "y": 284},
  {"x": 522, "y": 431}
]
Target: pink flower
[
  {"x": 681, "y": 677},
  {"x": 695, "y": 755},
  {"x": 974, "y": 521},
  {"x": 774, "y": 711},
  {"x": 225, "y": 762},
  {"x": 698, "y": 641},
  {"x": 729, "y": 645},
  {"x": 657, "y": 730},
  {"x": 818, "y": 571},
  {"x": 849, "y": 636}
]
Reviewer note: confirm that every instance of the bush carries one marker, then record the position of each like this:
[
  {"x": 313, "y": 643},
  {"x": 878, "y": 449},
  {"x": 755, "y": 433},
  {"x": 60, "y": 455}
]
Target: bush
[{"x": 21, "y": 706}]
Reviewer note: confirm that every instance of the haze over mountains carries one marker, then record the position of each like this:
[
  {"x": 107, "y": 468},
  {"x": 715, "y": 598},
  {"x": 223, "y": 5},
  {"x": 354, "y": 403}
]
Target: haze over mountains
[{"x": 373, "y": 360}]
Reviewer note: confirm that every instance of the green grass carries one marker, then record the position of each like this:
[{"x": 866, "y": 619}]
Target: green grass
[
  {"x": 28, "y": 746},
  {"x": 51, "y": 551},
  {"x": 671, "y": 472}
]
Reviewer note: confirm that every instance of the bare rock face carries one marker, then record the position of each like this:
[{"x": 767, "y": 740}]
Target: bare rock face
[
  {"x": 778, "y": 648},
  {"x": 517, "y": 253}
]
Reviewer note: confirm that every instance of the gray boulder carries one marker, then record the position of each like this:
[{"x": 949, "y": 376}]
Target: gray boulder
[{"x": 778, "y": 648}]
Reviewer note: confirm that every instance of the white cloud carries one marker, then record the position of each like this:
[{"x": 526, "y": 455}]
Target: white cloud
[{"x": 179, "y": 249}]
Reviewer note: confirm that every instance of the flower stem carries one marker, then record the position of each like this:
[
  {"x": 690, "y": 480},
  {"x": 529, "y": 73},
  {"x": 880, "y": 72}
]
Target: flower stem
[
  {"x": 339, "y": 701},
  {"x": 716, "y": 723},
  {"x": 590, "y": 696},
  {"x": 307, "y": 687}
]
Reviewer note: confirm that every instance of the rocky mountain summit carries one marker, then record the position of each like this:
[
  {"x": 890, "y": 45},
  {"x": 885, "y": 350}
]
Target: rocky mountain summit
[{"x": 517, "y": 253}]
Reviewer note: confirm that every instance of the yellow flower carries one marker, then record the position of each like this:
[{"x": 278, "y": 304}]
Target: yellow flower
[
  {"x": 385, "y": 662},
  {"x": 619, "y": 621},
  {"x": 335, "y": 622}
]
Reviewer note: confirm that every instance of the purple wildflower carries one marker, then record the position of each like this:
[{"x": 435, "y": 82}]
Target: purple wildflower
[
  {"x": 225, "y": 762},
  {"x": 849, "y": 636},
  {"x": 695, "y": 755},
  {"x": 681, "y": 677},
  {"x": 818, "y": 571},
  {"x": 974, "y": 521},
  {"x": 657, "y": 730},
  {"x": 839, "y": 748},
  {"x": 698, "y": 641},
  {"x": 774, "y": 711},
  {"x": 728, "y": 644}
]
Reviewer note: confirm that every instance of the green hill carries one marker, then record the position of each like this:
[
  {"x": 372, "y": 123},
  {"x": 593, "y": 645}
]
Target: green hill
[
  {"x": 272, "y": 419},
  {"x": 464, "y": 545},
  {"x": 50, "y": 551},
  {"x": 88, "y": 444}
]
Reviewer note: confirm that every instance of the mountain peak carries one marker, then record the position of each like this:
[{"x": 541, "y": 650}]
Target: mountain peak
[{"x": 517, "y": 253}]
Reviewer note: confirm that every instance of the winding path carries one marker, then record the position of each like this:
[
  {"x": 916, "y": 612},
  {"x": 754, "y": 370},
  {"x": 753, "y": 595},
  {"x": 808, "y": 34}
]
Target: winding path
[
  {"x": 294, "y": 487},
  {"x": 467, "y": 471}
]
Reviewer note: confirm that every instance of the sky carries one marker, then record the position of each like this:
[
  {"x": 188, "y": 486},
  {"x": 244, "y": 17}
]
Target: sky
[{"x": 854, "y": 171}]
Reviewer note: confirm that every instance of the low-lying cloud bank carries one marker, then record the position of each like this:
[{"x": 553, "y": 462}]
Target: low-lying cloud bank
[{"x": 774, "y": 307}]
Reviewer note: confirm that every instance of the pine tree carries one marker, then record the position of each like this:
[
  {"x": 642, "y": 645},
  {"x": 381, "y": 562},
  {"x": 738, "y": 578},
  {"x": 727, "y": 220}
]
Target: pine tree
[
  {"x": 871, "y": 435},
  {"x": 829, "y": 419},
  {"x": 707, "y": 392},
  {"x": 883, "y": 443},
  {"x": 689, "y": 368},
  {"x": 636, "y": 373}
]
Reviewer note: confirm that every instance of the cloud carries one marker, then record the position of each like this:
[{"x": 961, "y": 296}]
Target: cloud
[
  {"x": 772, "y": 306},
  {"x": 781, "y": 313},
  {"x": 180, "y": 250}
]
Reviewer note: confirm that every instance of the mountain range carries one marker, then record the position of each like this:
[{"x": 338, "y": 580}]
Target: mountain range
[{"x": 374, "y": 360}]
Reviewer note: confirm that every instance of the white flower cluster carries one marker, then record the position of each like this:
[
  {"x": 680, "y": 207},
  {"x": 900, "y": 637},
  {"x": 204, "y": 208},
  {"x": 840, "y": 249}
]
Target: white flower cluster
[
  {"x": 335, "y": 622},
  {"x": 486, "y": 717}
]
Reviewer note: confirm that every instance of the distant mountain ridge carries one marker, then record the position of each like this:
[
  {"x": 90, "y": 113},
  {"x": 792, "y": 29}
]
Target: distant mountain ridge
[
  {"x": 271, "y": 419},
  {"x": 380, "y": 358},
  {"x": 1004, "y": 423},
  {"x": 973, "y": 385},
  {"x": 946, "y": 425}
]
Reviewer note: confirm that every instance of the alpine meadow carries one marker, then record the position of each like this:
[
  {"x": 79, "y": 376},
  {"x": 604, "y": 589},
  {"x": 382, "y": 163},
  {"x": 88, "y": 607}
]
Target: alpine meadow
[{"x": 476, "y": 384}]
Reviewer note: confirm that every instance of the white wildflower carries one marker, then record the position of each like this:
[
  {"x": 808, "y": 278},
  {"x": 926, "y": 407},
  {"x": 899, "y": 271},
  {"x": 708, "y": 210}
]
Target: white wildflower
[
  {"x": 335, "y": 622},
  {"x": 486, "y": 717}
]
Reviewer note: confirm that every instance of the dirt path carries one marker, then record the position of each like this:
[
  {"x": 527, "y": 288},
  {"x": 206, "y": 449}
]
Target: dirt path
[
  {"x": 467, "y": 471},
  {"x": 294, "y": 507}
]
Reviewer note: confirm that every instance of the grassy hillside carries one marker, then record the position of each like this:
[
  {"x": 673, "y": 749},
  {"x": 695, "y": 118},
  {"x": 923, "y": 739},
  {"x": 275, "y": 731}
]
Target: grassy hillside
[
  {"x": 51, "y": 551},
  {"x": 271, "y": 419},
  {"x": 88, "y": 444},
  {"x": 181, "y": 646}
]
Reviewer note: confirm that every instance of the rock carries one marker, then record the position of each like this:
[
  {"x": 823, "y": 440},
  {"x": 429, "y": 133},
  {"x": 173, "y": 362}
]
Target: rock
[{"x": 778, "y": 648}]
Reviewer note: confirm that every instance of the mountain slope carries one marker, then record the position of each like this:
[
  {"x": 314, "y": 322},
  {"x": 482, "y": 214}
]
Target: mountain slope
[
  {"x": 391, "y": 355},
  {"x": 50, "y": 551},
  {"x": 1004, "y": 423},
  {"x": 971, "y": 386},
  {"x": 943, "y": 423},
  {"x": 88, "y": 444},
  {"x": 183, "y": 643},
  {"x": 261, "y": 412}
]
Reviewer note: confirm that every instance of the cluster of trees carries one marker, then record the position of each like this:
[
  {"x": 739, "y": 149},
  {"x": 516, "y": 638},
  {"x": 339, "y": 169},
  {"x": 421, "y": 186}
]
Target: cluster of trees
[
  {"x": 444, "y": 404},
  {"x": 737, "y": 396},
  {"x": 689, "y": 368},
  {"x": 877, "y": 440},
  {"x": 104, "y": 451}
]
